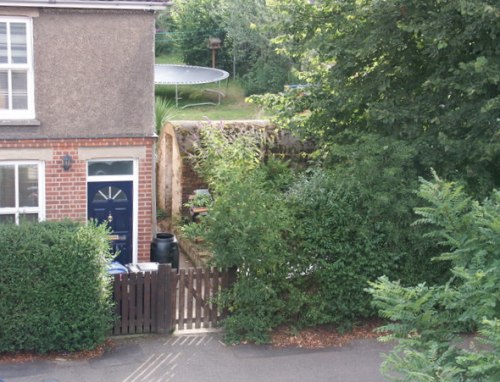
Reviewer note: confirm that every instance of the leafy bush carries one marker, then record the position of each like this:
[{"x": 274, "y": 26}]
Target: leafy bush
[
  {"x": 310, "y": 244},
  {"x": 426, "y": 320},
  {"x": 269, "y": 74},
  {"x": 353, "y": 224},
  {"x": 54, "y": 287}
]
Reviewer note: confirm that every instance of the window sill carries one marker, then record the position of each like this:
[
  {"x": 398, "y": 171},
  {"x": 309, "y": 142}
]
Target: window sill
[{"x": 19, "y": 122}]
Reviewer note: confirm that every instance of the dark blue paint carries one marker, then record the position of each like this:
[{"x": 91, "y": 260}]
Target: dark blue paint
[{"x": 121, "y": 212}]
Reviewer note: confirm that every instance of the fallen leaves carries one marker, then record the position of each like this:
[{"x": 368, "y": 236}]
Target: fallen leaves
[
  {"x": 323, "y": 336},
  {"x": 64, "y": 356}
]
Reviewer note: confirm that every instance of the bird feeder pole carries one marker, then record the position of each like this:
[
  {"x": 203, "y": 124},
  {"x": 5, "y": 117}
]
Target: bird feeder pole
[{"x": 214, "y": 43}]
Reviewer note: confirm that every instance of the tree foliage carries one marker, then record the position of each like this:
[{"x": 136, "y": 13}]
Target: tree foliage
[
  {"x": 426, "y": 320},
  {"x": 424, "y": 71},
  {"x": 250, "y": 27},
  {"x": 195, "y": 21},
  {"x": 245, "y": 28}
]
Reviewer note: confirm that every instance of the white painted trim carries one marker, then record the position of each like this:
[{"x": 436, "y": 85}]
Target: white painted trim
[
  {"x": 127, "y": 5},
  {"x": 110, "y": 178},
  {"x": 135, "y": 213},
  {"x": 134, "y": 178},
  {"x": 28, "y": 113},
  {"x": 41, "y": 191}
]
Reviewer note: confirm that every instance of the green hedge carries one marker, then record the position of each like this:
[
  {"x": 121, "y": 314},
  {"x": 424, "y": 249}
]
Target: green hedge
[{"x": 55, "y": 293}]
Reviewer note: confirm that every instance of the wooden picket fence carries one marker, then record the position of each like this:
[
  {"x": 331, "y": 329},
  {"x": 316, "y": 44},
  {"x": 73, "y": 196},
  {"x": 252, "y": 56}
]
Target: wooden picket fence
[{"x": 166, "y": 300}]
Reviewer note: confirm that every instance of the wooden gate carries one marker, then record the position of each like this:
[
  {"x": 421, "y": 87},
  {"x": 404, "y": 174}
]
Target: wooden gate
[{"x": 164, "y": 300}]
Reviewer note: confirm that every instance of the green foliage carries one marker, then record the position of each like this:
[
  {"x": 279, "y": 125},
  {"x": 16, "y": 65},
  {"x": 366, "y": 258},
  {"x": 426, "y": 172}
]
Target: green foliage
[
  {"x": 54, "y": 286},
  {"x": 310, "y": 243},
  {"x": 223, "y": 155},
  {"x": 427, "y": 320},
  {"x": 196, "y": 21},
  {"x": 269, "y": 74},
  {"x": 244, "y": 229},
  {"x": 250, "y": 26},
  {"x": 245, "y": 29},
  {"x": 423, "y": 71},
  {"x": 163, "y": 43},
  {"x": 352, "y": 223},
  {"x": 163, "y": 112}
]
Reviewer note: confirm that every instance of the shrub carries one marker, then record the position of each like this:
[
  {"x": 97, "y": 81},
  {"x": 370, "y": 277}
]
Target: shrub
[
  {"x": 305, "y": 248},
  {"x": 353, "y": 224},
  {"x": 268, "y": 75},
  {"x": 54, "y": 287},
  {"x": 426, "y": 320}
]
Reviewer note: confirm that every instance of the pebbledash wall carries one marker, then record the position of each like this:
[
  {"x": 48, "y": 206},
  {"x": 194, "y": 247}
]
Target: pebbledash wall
[{"x": 66, "y": 191}]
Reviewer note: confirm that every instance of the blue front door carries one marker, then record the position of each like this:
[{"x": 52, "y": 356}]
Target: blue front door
[{"x": 111, "y": 202}]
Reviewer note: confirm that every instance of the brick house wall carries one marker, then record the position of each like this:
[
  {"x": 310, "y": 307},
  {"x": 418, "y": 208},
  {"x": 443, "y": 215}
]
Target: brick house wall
[{"x": 66, "y": 191}]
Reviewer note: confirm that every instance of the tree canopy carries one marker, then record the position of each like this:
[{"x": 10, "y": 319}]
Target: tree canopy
[{"x": 423, "y": 71}]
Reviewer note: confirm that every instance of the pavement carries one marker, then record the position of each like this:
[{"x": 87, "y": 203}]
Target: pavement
[{"x": 204, "y": 357}]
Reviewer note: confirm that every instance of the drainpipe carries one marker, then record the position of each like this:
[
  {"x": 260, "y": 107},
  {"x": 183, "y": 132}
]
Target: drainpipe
[{"x": 153, "y": 185}]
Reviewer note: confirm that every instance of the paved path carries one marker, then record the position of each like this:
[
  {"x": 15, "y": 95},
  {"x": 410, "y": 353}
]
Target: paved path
[{"x": 204, "y": 358}]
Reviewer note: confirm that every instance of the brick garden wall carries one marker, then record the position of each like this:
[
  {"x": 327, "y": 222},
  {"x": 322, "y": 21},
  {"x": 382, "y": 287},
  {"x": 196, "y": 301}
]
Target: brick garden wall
[{"x": 66, "y": 191}]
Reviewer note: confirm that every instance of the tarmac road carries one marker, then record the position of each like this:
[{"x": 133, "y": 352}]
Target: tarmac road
[{"x": 204, "y": 358}]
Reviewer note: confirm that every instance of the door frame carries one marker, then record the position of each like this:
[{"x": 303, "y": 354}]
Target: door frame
[{"x": 134, "y": 178}]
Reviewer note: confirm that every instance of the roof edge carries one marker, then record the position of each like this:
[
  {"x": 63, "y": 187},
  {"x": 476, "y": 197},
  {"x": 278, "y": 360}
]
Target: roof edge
[{"x": 89, "y": 4}]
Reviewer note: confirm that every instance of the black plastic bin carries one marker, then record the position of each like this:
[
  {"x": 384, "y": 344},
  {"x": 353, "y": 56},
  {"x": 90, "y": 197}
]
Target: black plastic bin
[{"x": 165, "y": 249}]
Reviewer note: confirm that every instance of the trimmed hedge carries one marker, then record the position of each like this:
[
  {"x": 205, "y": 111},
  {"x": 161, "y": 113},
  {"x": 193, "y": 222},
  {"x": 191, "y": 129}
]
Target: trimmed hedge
[{"x": 54, "y": 288}]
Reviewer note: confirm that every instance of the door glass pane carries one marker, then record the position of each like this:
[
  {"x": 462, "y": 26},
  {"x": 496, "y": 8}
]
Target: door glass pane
[
  {"x": 3, "y": 43},
  {"x": 7, "y": 219},
  {"x": 110, "y": 193},
  {"x": 7, "y": 186},
  {"x": 29, "y": 218},
  {"x": 103, "y": 168},
  {"x": 18, "y": 43},
  {"x": 28, "y": 186},
  {"x": 19, "y": 90},
  {"x": 4, "y": 89}
]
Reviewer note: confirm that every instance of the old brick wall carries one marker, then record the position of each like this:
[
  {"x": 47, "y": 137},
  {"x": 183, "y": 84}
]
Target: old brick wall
[{"x": 174, "y": 152}]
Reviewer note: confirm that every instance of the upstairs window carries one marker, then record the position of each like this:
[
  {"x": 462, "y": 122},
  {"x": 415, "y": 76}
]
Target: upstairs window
[{"x": 16, "y": 68}]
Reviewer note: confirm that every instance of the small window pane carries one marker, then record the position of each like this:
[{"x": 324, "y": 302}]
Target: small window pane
[
  {"x": 19, "y": 90},
  {"x": 3, "y": 43},
  {"x": 18, "y": 43},
  {"x": 29, "y": 218},
  {"x": 109, "y": 193},
  {"x": 4, "y": 89},
  {"x": 7, "y": 186},
  {"x": 28, "y": 186},
  {"x": 111, "y": 168},
  {"x": 7, "y": 219}
]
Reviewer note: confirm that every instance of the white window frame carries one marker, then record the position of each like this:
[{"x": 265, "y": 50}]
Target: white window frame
[
  {"x": 28, "y": 113},
  {"x": 17, "y": 210},
  {"x": 134, "y": 178}
]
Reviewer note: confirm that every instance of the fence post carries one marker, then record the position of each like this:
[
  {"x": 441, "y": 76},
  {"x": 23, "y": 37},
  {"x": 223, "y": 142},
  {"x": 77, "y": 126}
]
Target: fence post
[
  {"x": 163, "y": 299},
  {"x": 169, "y": 274}
]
